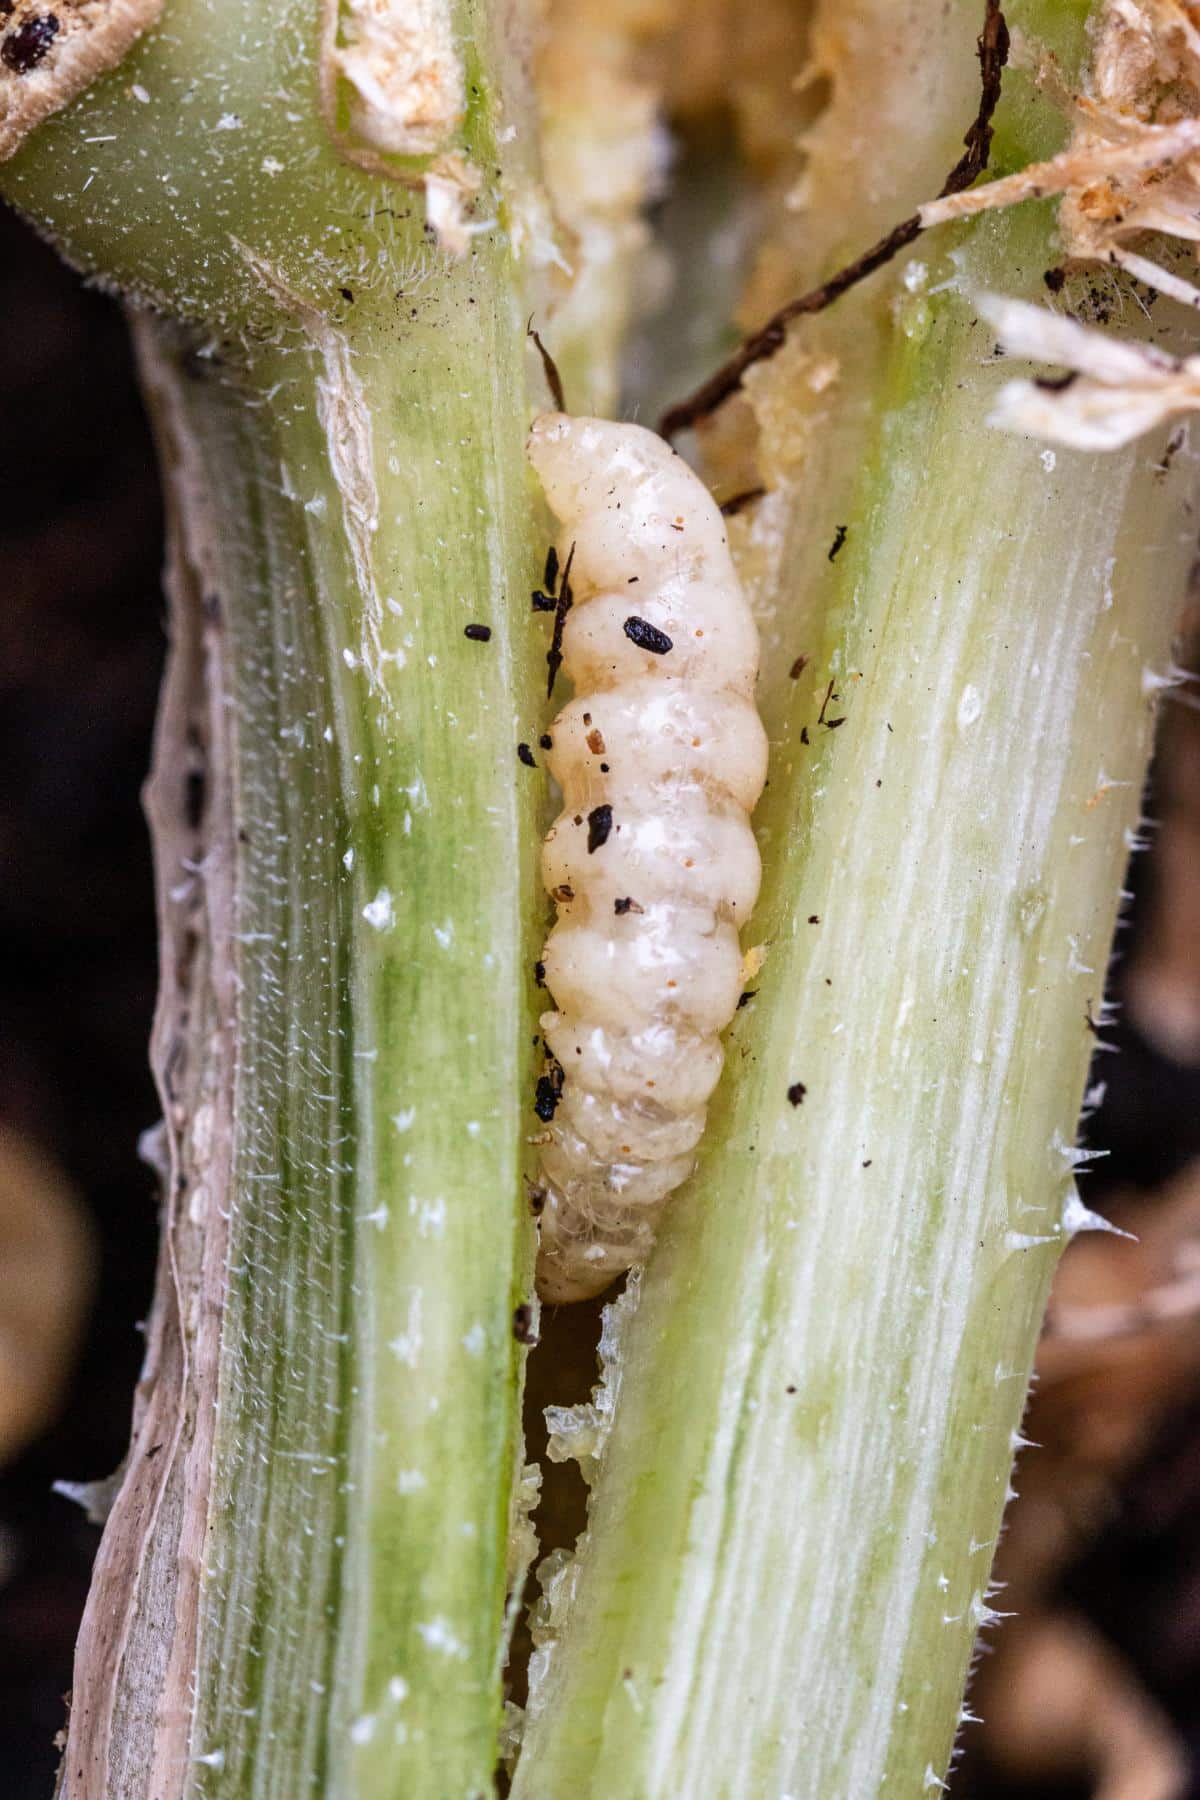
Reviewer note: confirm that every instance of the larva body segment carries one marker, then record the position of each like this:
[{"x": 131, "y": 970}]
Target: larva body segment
[{"x": 652, "y": 863}]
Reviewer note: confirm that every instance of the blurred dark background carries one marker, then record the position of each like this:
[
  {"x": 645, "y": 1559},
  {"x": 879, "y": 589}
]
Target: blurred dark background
[
  {"x": 81, "y": 651},
  {"x": 1106, "y": 1557}
]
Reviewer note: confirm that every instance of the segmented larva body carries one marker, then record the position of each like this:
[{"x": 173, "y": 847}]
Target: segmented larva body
[{"x": 661, "y": 757}]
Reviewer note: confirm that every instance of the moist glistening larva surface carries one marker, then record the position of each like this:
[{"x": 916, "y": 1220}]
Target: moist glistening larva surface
[{"x": 652, "y": 863}]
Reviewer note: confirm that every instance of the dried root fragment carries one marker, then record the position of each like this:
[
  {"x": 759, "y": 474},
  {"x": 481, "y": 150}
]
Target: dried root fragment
[
  {"x": 661, "y": 758},
  {"x": 50, "y": 50},
  {"x": 1133, "y": 163},
  {"x": 1113, "y": 391}
]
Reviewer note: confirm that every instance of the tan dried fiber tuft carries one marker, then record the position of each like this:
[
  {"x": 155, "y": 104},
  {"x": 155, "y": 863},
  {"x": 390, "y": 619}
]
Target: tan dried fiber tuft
[
  {"x": 1114, "y": 392},
  {"x": 1133, "y": 163},
  {"x": 403, "y": 69}
]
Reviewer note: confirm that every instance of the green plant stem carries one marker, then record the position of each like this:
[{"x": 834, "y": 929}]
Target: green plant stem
[
  {"x": 789, "y": 1542},
  {"x": 354, "y": 1579},
  {"x": 354, "y": 1574},
  {"x": 791, "y": 1531},
  {"x": 308, "y": 1570}
]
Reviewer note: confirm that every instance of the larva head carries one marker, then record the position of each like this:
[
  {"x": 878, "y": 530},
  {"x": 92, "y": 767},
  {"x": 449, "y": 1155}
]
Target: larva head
[{"x": 630, "y": 505}]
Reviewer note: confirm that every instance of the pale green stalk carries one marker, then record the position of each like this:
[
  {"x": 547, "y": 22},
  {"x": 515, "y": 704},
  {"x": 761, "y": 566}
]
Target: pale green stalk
[
  {"x": 794, "y": 1519},
  {"x": 310, "y": 1582},
  {"x": 368, "y": 1369}
]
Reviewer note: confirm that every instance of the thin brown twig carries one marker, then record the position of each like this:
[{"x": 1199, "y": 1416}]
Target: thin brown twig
[
  {"x": 992, "y": 47},
  {"x": 550, "y": 367}
]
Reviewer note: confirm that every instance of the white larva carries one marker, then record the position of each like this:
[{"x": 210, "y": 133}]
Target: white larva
[{"x": 661, "y": 758}]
